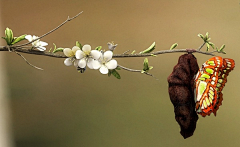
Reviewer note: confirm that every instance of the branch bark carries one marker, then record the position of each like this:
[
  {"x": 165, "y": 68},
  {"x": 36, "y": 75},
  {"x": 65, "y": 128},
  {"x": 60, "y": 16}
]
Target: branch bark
[{"x": 57, "y": 55}]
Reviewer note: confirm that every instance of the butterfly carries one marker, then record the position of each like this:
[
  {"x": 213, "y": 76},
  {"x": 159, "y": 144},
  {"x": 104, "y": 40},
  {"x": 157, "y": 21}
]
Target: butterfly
[{"x": 209, "y": 82}]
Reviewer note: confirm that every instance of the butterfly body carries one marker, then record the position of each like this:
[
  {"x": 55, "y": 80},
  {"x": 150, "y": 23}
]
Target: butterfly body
[{"x": 210, "y": 80}]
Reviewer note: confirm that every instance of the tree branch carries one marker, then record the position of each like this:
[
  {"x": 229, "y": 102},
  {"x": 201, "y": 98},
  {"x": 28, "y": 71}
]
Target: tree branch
[{"x": 56, "y": 55}]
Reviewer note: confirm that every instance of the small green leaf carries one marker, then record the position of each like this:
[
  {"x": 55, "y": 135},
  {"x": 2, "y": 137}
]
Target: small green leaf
[
  {"x": 150, "y": 49},
  {"x": 153, "y": 55},
  {"x": 145, "y": 65},
  {"x": 18, "y": 39},
  {"x": 8, "y": 36},
  {"x": 173, "y": 46},
  {"x": 55, "y": 47},
  {"x": 207, "y": 35},
  {"x": 98, "y": 48},
  {"x": 78, "y": 44},
  {"x": 133, "y": 52},
  {"x": 58, "y": 50},
  {"x": 222, "y": 47},
  {"x": 208, "y": 47},
  {"x": 211, "y": 44},
  {"x": 201, "y": 36},
  {"x": 150, "y": 67},
  {"x": 116, "y": 74}
]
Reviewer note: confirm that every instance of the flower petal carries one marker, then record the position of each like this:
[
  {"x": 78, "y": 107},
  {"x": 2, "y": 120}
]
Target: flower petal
[
  {"x": 107, "y": 55},
  {"x": 68, "y": 52},
  {"x": 89, "y": 63},
  {"x": 104, "y": 70},
  {"x": 34, "y": 37},
  {"x": 82, "y": 63},
  {"x": 96, "y": 64},
  {"x": 95, "y": 54},
  {"x": 29, "y": 38},
  {"x": 75, "y": 48},
  {"x": 86, "y": 48},
  {"x": 68, "y": 62},
  {"x": 112, "y": 64},
  {"x": 43, "y": 43},
  {"x": 79, "y": 54},
  {"x": 41, "y": 48},
  {"x": 75, "y": 63}
]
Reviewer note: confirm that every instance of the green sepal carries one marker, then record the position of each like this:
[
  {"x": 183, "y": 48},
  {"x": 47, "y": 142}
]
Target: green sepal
[
  {"x": 133, "y": 52},
  {"x": 150, "y": 67},
  {"x": 116, "y": 74},
  {"x": 149, "y": 49},
  {"x": 78, "y": 44},
  {"x": 8, "y": 36},
  {"x": 173, "y": 46},
  {"x": 118, "y": 68},
  {"x": 58, "y": 50},
  {"x": 109, "y": 73},
  {"x": 18, "y": 39},
  {"x": 98, "y": 48}
]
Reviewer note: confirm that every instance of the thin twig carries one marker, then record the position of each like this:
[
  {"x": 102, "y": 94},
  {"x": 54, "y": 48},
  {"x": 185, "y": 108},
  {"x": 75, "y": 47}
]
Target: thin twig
[
  {"x": 135, "y": 70},
  {"x": 27, "y": 61},
  {"x": 125, "y": 52},
  {"x": 68, "y": 19},
  {"x": 200, "y": 47}
]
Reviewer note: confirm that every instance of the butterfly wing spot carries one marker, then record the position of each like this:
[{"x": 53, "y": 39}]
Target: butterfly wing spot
[{"x": 212, "y": 82}]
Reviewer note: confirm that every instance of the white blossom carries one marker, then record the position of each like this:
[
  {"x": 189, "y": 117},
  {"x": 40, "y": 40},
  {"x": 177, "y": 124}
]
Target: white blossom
[
  {"x": 70, "y": 53},
  {"x": 86, "y": 56},
  {"x": 38, "y": 44},
  {"x": 105, "y": 62}
]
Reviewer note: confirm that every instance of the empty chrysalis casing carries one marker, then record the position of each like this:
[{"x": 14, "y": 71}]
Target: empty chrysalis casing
[{"x": 181, "y": 92}]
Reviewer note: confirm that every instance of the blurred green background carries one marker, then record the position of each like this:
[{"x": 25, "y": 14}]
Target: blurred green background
[{"x": 59, "y": 107}]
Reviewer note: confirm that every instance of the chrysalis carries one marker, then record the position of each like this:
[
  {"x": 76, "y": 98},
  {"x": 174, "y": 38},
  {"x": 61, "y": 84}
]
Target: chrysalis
[{"x": 181, "y": 92}]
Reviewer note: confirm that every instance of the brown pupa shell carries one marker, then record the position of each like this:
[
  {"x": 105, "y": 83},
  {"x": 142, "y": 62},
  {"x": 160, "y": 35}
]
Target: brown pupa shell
[{"x": 181, "y": 92}]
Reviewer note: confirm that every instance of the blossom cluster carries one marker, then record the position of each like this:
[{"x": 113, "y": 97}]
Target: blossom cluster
[{"x": 93, "y": 59}]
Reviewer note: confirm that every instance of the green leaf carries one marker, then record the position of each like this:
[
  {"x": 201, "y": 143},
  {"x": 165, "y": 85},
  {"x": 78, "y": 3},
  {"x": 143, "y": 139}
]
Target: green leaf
[
  {"x": 201, "y": 36},
  {"x": 222, "y": 47},
  {"x": 150, "y": 49},
  {"x": 145, "y": 65},
  {"x": 116, "y": 74},
  {"x": 98, "y": 48},
  {"x": 207, "y": 35},
  {"x": 78, "y": 44},
  {"x": 133, "y": 52},
  {"x": 8, "y": 36},
  {"x": 150, "y": 67},
  {"x": 58, "y": 50},
  {"x": 18, "y": 39},
  {"x": 211, "y": 44},
  {"x": 208, "y": 47},
  {"x": 173, "y": 46}
]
